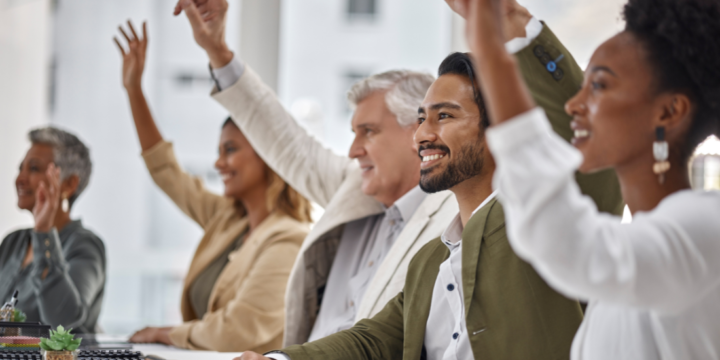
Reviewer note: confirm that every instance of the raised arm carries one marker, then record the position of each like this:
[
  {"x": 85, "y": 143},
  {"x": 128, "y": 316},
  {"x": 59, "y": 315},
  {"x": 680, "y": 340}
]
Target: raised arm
[
  {"x": 315, "y": 171},
  {"x": 187, "y": 192},
  {"x": 65, "y": 281}
]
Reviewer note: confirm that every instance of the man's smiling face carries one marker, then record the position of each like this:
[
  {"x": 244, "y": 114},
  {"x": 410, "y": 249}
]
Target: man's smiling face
[{"x": 450, "y": 138}]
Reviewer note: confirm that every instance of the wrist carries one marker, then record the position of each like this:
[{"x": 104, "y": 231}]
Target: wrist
[
  {"x": 134, "y": 89},
  {"x": 219, "y": 56}
]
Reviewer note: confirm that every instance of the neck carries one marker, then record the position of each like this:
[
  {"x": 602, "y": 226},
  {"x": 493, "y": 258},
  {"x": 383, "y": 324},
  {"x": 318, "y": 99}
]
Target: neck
[
  {"x": 255, "y": 203},
  {"x": 61, "y": 219},
  {"x": 640, "y": 187},
  {"x": 471, "y": 193},
  {"x": 388, "y": 199}
]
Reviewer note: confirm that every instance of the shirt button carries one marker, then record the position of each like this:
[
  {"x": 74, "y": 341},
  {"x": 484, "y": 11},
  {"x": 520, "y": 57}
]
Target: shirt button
[
  {"x": 47, "y": 242},
  {"x": 455, "y": 336},
  {"x": 352, "y": 303},
  {"x": 392, "y": 222},
  {"x": 371, "y": 263},
  {"x": 47, "y": 254},
  {"x": 451, "y": 287}
]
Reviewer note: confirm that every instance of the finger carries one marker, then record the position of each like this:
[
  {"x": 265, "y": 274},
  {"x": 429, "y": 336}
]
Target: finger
[
  {"x": 178, "y": 9},
  {"x": 192, "y": 13},
  {"x": 132, "y": 29},
  {"x": 124, "y": 34},
  {"x": 122, "y": 51}
]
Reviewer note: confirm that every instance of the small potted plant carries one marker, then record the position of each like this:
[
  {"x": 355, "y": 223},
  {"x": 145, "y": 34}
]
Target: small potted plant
[
  {"x": 18, "y": 316},
  {"x": 61, "y": 345}
]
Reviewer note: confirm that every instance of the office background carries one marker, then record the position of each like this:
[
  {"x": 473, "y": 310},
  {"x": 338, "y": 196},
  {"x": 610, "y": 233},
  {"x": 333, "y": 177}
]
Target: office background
[{"x": 59, "y": 66}]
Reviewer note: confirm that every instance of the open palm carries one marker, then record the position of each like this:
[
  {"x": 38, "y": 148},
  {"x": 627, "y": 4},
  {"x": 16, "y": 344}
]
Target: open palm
[{"x": 133, "y": 56}]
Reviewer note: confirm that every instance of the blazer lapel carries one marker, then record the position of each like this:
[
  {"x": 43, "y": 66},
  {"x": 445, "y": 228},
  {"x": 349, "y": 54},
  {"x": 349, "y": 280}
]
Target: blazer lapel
[
  {"x": 405, "y": 241},
  {"x": 472, "y": 237}
]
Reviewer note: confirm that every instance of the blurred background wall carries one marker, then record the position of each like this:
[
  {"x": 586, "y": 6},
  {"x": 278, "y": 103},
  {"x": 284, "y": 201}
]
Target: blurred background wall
[{"x": 58, "y": 65}]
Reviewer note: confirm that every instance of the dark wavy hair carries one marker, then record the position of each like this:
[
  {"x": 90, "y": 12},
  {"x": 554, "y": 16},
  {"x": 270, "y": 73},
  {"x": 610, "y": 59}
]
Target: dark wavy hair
[
  {"x": 460, "y": 64},
  {"x": 682, "y": 39}
]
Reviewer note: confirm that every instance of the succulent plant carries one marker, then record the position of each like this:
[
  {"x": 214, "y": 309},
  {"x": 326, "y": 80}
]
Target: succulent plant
[
  {"x": 60, "y": 340},
  {"x": 19, "y": 316}
]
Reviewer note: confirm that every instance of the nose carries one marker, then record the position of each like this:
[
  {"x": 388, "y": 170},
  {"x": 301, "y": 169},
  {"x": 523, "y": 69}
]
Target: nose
[
  {"x": 356, "y": 148},
  {"x": 576, "y": 104},
  {"x": 220, "y": 162},
  {"x": 425, "y": 134}
]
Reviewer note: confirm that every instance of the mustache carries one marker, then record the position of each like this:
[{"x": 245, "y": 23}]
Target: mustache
[{"x": 440, "y": 147}]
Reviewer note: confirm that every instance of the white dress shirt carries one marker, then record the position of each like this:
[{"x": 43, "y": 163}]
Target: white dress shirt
[
  {"x": 653, "y": 285},
  {"x": 363, "y": 246},
  {"x": 446, "y": 336}
]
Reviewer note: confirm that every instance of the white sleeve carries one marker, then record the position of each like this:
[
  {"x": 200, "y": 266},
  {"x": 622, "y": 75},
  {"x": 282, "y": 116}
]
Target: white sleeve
[
  {"x": 665, "y": 260},
  {"x": 229, "y": 74},
  {"x": 277, "y": 356}
]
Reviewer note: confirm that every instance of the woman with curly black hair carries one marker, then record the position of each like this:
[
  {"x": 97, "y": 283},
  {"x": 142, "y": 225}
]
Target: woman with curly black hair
[{"x": 651, "y": 94}]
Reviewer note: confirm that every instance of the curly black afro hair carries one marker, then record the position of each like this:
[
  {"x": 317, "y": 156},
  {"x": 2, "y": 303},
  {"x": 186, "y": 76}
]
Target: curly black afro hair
[{"x": 682, "y": 38}]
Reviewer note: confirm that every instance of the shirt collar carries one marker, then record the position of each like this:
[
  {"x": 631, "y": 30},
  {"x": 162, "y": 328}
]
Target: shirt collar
[
  {"x": 408, "y": 203},
  {"x": 452, "y": 236}
]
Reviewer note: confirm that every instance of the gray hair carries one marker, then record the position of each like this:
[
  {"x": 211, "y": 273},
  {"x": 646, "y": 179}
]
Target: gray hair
[
  {"x": 69, "y": 154},
  {"x": 405, "y": 92}
]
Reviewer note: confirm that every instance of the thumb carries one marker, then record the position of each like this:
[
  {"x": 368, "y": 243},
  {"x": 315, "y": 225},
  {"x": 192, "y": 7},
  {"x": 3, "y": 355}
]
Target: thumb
[{"x": 192, "y": 13}]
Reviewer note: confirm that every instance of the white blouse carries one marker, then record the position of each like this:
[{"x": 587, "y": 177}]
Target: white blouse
[{"x": 653, "y": 285}]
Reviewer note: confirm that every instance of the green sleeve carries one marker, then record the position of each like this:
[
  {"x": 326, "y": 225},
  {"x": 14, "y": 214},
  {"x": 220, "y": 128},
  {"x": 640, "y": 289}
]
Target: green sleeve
[
  {"x": 380, "y": 337},
  {"x": 551, "y": 90}
]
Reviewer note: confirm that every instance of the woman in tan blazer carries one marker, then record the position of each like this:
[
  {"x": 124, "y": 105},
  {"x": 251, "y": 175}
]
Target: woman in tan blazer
[{"x": 233, "y": 296}]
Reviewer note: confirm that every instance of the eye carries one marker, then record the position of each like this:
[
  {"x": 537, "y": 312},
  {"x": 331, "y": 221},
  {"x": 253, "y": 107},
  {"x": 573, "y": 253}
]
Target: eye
[
  {"x": 230, "y": 149},
  {"x": 421, "y": 120},
  {"x": 597, "y": 85},
  {"x": 444, "y": 116}
]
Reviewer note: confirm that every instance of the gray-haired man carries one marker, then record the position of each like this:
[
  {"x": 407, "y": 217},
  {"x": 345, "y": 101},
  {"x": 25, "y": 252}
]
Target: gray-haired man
[{"x": 376, "y": 217}]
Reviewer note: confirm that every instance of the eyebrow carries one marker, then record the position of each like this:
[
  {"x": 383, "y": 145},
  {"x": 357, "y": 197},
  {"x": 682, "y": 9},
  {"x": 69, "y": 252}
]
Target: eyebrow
[
  {"x": 602, "y": 68},
  {"x": 441, "y": 105}
]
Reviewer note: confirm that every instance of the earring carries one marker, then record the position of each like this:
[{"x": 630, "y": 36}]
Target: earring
[
  {"x": 661, "y": 152},
  {"x": 65, "y": 204}
]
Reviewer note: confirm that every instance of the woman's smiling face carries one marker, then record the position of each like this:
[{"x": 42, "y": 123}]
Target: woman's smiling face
[{"x": 614, "y": 112}]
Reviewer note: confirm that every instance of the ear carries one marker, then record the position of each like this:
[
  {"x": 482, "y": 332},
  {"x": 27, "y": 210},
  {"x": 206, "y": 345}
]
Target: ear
[
  {"x": 69, "y": 186},
  {"x": 676, "y": 113}
]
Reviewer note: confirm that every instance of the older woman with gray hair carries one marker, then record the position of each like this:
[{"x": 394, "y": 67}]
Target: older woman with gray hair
[{"x": 58, "y": 266}]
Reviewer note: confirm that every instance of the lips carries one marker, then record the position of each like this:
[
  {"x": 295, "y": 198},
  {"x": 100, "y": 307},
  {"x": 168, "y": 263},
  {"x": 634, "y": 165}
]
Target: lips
[
  {"x": 24, "y": 192},
  {"x": 226, "y": 176},
  {"x": 580, "y": 132}
]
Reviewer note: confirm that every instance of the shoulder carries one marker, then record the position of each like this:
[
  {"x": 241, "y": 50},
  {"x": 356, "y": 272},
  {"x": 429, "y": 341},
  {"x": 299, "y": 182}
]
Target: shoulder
[
  {"x": 84, "y": 240},
  {"x": 281, "y": 227},
  {"x": 692, "y": 211}
]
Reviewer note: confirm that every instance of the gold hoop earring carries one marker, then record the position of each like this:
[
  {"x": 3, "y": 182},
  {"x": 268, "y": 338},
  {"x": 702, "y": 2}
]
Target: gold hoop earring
[{"x": 661, "y": 152}]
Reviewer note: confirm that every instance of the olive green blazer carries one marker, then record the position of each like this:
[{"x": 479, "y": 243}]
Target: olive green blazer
[{"x": 511, "y": 312}]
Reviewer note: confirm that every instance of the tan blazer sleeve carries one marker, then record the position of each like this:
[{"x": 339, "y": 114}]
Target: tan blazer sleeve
[
  {"x": 186, "y": 191},
  {"x": 300, "y": 159},
  {"x": 255, "y": 316}
]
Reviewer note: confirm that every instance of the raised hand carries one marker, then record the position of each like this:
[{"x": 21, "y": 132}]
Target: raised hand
[
  {"x": 207, "y": 19},
  {"x": 513, "y": 16},
  {"x": 47, "y": 200},
  {"x": 505, "y": 92},
  {"x": 133, "y": 57}
]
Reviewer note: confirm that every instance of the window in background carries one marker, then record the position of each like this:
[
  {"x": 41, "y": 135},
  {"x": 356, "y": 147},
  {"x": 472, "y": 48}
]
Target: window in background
[{"x": 362, "y": 9}]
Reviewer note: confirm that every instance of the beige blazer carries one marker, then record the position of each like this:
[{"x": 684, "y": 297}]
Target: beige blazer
[
  {"x": 333, "y": 181},
  {"x": 246, "y": 308}
]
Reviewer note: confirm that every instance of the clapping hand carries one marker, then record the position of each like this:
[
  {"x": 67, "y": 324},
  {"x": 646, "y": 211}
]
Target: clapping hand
[
  {"x": 134, "y": 57},
  {"x": 47, "y": 200},
  {"x": 207, "y": 19}
]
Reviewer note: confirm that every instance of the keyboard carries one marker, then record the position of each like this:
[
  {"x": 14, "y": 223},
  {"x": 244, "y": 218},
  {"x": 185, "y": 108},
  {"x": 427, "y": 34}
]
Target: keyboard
[{"x": 6, "y": 354}]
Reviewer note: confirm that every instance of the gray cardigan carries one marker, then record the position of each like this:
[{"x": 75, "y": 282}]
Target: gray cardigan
[{"x": 71, "y": 293}]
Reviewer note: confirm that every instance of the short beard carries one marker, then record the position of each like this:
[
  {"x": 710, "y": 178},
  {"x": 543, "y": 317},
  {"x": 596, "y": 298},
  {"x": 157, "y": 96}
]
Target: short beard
[{"x": 468, "y": 164}]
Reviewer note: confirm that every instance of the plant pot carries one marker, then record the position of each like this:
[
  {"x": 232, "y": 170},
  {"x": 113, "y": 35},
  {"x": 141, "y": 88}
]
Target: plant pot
[{"x": 59, "y": 355}]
